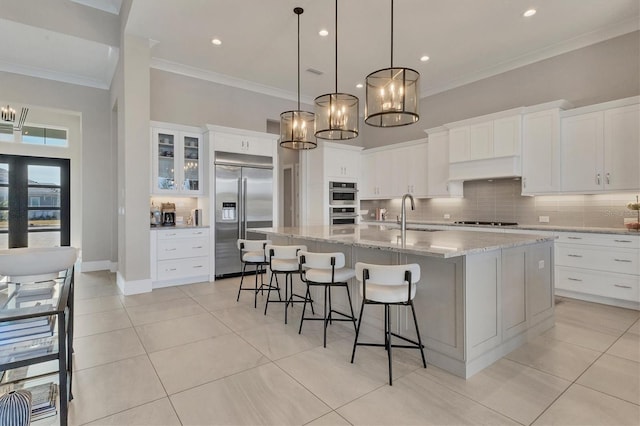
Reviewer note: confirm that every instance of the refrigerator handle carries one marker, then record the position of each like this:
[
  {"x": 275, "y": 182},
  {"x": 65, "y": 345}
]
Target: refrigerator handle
[
  {"x": 244, "y": 207},
  {"x": 240, "y": 208}
]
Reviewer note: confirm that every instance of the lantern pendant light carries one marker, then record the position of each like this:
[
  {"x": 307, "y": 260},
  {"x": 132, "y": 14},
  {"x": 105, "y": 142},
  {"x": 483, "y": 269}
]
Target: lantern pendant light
[
  {"x": 297, "y": 127},
  {"x": 392, "y": 94},
  {"x": 337, "y": 113}
]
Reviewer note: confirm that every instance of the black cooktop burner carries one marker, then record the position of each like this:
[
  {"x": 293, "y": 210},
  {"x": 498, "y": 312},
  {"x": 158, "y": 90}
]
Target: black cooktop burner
[{"x": 480, "y": 222}]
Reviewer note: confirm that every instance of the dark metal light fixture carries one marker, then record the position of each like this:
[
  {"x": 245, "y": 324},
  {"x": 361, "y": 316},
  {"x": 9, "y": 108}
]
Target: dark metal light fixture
[
  {"x": 337, "y": 113},
  {"x": 297, "y": 127},
  {"x": 392, "y": 94},
  {"x": 8, "y": 114}
]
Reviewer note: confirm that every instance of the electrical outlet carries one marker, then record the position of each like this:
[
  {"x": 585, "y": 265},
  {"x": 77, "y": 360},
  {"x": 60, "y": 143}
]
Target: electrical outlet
[
  {"x": 447, "y": 216},
  {"x": 541, "y": 264},
  {"x": 543, "y": 219}
]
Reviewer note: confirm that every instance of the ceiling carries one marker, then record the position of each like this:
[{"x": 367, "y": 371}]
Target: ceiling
[{"x": 466, "y": 40}]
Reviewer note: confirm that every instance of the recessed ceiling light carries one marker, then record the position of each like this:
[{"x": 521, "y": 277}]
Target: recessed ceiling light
[
  {"x": 425, "y": 58},
  {"x": 323, "y": 33},
  {"x": 529, "y": 13},
  {"x": 359, "y": 85},
  {"x": 216, "y": 41}
]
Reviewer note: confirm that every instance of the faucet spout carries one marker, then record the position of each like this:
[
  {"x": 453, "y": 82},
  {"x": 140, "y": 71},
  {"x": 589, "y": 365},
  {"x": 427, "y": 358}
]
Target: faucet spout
[{"x": 403, "y": 215}]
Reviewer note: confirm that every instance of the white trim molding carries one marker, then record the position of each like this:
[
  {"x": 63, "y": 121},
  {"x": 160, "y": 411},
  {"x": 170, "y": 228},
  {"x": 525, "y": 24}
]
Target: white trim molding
[{"x": 128, "y": 288}]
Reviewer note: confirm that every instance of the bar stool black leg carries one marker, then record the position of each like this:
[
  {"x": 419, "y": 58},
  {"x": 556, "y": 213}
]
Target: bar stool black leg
[
  {"x": 326, "y": 290},
  {"x": 244, "y": 268},
  {"x": 388, "y": 327},
  {"x": 415, "y": 321},
  {"x": 355, "y": 342},
  {"x": 304, "y": 308},
  {"x": 353, "y": 316}
]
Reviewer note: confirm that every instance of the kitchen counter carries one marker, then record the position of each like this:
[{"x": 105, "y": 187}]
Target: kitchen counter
[
  {"x": 445, "y": 244},
  {"x": 156, "y": 228},
  {"x": 542, "y": 228},
  {"x": 480, "y": 296}
]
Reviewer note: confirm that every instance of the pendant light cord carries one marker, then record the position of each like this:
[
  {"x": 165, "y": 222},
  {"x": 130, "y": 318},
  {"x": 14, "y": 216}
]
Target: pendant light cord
[
  {"x": 336, "y": 30},
  {"x": 298, "y": 59},
  {"x": 391, "y": 33}
]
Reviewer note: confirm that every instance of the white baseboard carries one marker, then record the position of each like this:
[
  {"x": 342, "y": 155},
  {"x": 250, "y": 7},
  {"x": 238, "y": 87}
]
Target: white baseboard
[
  {"x": 98, "y": 265},
  {"x": 134, "y": 286}
]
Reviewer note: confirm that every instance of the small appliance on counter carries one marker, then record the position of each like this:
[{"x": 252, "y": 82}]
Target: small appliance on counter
[
  {"x": 196, "y": 217},
  {"x": 168, "y": 214},
  {"x": 156, "y": 215}
]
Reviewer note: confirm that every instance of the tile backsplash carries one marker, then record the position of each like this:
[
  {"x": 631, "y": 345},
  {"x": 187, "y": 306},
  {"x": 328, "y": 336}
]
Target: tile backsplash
[
  {"x": 500, "y": 200},
  {"x": 184, "y": 205}
]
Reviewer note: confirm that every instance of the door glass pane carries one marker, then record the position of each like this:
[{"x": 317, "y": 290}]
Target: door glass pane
[
  {"x": 44, "y": 175},
  {"x": 43, "y": 197},
  {"x": 44, "y": 219},
  {"x": 166, "y": 171},
  {"x": 4, "y": 203},
  {"x": 44, "y": 239},
  {"x": 191, "y": 163}
]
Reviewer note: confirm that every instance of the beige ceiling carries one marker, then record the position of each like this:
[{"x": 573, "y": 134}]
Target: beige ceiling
[{"x": 466, "y": 39}]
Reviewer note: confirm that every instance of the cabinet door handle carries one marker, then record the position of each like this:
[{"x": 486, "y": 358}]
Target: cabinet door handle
[
  {"x": 623, "y": 241},
  {"x": 622, "y": 286},
  {"x": 622, "y": 260},
  {"x": 196, "y": 247},
  {"x": 574, "y": 238},
  {"x": 574, "y": 279},
  {"x": 170, "y": 249},
  {"x": 574, "y": 255},
  {"x": 170, "y": 269},
  {"x": 170, "y": 235},
  {"x": 197, "y": 266},
  {"x": 608, "y": 178},
  {"x": 598, "y": 178}
]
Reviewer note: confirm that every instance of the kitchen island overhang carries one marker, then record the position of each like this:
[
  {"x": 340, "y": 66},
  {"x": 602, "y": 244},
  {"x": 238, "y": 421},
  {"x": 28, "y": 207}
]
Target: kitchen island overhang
[{"x": 481, "y": 295}]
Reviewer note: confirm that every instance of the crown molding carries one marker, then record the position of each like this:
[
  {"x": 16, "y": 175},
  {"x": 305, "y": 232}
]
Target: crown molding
[
  {"x": 584, "y": 40},
  {"x": 189, "y": 71},
  {"x": 63, "y": 77}
]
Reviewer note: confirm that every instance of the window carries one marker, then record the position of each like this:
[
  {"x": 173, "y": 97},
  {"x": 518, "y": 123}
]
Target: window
[{"x": 44, "y": 136}]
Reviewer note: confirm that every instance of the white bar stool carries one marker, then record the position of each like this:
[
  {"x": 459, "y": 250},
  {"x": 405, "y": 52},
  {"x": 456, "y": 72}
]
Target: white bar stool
[
  {"x": 252, "y": 254},
  {"x": 284, "y": 260},
  {"x": 388, "y": 285},
  {"x": 326, "y": 270}
]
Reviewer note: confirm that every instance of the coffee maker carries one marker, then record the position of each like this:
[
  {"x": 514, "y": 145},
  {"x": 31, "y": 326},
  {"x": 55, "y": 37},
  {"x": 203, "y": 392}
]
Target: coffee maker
[{"x": 168, "y": 214}]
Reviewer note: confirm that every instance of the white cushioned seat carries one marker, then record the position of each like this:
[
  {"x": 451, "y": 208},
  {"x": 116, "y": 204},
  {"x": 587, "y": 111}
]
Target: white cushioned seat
[
  {"x": 253, "y": 256},
  {"x": 283, "y": 260},
  {"x": 284, "y": 265},
  {"x": 252, "y": 253},
  {"x": 324, "y": 275},
  {"x": 386, "y": 283}
]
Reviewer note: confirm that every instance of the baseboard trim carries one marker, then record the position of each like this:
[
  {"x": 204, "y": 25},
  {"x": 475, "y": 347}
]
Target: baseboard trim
[
  {"x": 98, "y": 265},
  {"x": 134, "y": 286}
]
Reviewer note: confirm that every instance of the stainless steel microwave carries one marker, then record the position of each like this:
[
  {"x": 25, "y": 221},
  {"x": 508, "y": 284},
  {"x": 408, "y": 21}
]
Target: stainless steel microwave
[{"x": 343, "y": 193}]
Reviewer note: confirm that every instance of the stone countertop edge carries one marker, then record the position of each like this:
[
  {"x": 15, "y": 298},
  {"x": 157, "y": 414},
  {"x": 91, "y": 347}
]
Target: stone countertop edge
[
  {"x": 438, "y": 244},
  {"x": 542, "y": 228},
  {"x": 157, "y": 228}
]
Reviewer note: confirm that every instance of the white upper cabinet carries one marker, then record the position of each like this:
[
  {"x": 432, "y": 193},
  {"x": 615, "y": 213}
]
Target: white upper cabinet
[
  {"x": 177, "y": 162},
  {"x": 541, "y": 151},
  {"x": 438, "y": 184},
  {"x": 341, "y": 164},
  {"x": 600, "y": 149},
  {"x": 244, "y": 144},
  {"x": 485, "y": 138},
  {"x": 378, "y": 178}
]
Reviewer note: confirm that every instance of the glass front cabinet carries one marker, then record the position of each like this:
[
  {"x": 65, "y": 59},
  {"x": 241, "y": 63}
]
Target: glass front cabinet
[{"x": 177, "y": 158}]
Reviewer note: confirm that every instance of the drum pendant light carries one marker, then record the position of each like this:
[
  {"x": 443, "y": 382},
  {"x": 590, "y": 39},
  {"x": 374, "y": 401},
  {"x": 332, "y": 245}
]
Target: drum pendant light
[
  {"x": 337, "y": 113},
  {"x": 297, "y": 127},
  {"x": 392, "y": 94}
]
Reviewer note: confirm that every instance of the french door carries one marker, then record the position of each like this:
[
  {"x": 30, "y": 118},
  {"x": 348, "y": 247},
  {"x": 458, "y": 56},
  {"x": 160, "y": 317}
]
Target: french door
[{"x": 34, "y": 202}]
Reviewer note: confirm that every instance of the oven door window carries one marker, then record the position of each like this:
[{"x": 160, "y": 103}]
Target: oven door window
[
  {"x": 343, "y": 197},
  {"x": 343, "y": 221}
]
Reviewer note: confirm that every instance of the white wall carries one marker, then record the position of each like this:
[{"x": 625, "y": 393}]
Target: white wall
[{"x": 95, "y": 182}]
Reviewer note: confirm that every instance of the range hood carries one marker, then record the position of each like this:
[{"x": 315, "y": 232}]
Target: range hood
[{"x": 486, "y": 168}]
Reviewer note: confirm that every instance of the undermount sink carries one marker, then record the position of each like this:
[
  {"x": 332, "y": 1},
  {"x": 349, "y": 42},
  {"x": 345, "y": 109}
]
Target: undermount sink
[{"x": 36, "y": 264}]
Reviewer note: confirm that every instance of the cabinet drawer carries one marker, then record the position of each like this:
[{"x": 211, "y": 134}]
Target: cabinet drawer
[
  {"x": 624, "y": 261},
  {"x": 182, "y": 248},
  {"x": 608, "y": 240},
  {"x": 182, "y": 268},
  {"x": 167, "y": 234},
  {"x": 616, "y": 286}
]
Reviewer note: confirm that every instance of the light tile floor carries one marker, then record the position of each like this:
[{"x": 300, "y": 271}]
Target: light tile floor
[{"x": 191, "y": 355}]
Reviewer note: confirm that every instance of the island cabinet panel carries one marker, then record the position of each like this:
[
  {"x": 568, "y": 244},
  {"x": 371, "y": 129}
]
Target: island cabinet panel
[
  {"x": 438, "y": 305},
  {"x": 482, "y": 302},
  {"x": 514, "y": 300},
  {"x": 540, "y": 290}
]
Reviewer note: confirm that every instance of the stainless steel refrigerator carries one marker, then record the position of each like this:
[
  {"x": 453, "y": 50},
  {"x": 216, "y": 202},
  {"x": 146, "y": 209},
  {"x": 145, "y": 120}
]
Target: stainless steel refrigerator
[{"x": 244, "y": 199}]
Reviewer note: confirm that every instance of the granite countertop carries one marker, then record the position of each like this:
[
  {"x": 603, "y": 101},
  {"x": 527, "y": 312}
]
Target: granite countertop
[
  {"x": 443, "y": 244},
  {"x": 542, "y": 228},
  {"x": 157, "y": 228}
]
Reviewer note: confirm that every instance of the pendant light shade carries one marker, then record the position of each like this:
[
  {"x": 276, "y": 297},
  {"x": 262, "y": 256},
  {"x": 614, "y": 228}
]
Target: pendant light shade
[
  {"x": 297, "y": 127},
  {"x": 392, "y": 94},
  {"x": 337, "y": 113}
]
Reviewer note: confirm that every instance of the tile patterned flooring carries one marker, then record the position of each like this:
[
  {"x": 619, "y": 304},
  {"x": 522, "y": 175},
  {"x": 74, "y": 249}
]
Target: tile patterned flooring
[{"x": 191, "y": 355}]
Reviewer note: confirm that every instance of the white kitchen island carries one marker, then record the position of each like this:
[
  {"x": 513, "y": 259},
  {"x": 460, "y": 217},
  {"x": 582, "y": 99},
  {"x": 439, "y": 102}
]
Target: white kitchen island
[{"x": 481, "y": 294}]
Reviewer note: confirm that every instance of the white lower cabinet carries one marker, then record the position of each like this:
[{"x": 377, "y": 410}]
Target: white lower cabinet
[
  {"x": 179, "y": 256},
  {"x": 602, "y": 268}
]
